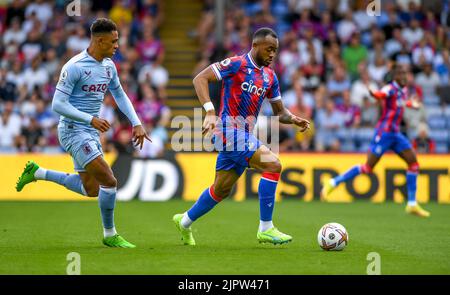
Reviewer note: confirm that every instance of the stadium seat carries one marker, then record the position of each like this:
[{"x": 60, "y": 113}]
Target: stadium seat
[
  {"x": 442, "y": 148},
  {"x": 432, "y": 101},
  {"x": 364, "y": 134},
  {"x": 364, "y": 147},
  {"x": 437, "y": 122},
  {"x": 347, "y": 146},
  {"x": 433, "y": 111},
  {"x": 440, "y": 136}
]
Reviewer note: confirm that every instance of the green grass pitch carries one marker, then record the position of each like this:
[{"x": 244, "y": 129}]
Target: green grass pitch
[{"x": 35, "y": 238}]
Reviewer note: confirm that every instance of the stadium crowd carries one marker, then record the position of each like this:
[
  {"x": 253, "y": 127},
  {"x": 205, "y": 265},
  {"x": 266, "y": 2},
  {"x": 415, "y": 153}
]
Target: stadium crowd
[
  {"x": 38, "y": 38},
  {"x": 330, "y": 53}
]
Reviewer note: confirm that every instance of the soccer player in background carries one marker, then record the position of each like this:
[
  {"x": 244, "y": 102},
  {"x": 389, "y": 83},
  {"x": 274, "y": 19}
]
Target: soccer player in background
[
  {"x": 246, "y": 81},
  {"x": 79, "y": 94},
  {"x": 394, "y": 98}
]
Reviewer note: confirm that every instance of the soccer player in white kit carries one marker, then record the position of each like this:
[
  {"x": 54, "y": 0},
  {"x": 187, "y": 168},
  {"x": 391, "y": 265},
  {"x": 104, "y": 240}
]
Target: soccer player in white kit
[{"x": 78, "y": 97}]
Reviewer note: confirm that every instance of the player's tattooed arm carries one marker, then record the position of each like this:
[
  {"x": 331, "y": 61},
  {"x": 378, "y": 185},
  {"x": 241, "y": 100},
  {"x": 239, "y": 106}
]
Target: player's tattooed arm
[{"x": 286, "y": 117}]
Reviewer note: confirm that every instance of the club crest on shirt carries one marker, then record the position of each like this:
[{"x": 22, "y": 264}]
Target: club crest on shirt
[
  {"x": 265, "y": 77},
  {"x": 87, "y": 149},
  {"x": 108, "y": 72}
]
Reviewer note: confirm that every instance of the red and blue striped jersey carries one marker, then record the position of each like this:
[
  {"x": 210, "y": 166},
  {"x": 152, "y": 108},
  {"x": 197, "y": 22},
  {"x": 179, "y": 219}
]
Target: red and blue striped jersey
[
  {"x": 244, "y": 88},
  {"x": 393, "y": 104}
]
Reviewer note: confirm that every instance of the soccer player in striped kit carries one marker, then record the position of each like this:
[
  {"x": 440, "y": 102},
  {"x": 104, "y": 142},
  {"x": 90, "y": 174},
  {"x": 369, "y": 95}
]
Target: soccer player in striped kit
[
  {"x": 394, "y": 98},
  {"x": 246, "y": 81}
]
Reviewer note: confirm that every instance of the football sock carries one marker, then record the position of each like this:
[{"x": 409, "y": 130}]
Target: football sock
[
  {"x": 266, "y": 192},
  {"x": 186, "y": 221},
  {"x": 350, "y": 174},
  {"x": 265, "y": 225},
  {"x": 70, "y": 181},
  {"x": 106, "y": 201},
  {"x": 109, "y": 232},
  {"x": 204, "y": 204},
  {"x": 411, "y": 184}
]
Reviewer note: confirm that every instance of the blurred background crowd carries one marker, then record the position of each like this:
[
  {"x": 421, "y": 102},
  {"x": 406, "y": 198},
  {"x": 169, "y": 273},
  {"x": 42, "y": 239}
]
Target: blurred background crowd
[
  {"x": 38, "y": 38},
  {"x": 330, "y": 53}
]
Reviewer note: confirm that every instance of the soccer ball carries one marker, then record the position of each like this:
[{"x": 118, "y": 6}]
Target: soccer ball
[{"x": 332, "y": 237}]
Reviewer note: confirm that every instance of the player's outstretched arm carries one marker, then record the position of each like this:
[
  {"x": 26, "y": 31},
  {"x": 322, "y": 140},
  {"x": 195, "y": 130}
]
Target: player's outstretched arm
[
  {"x": 286, "y": 117},
  {"x": 201, "y": 88},
  {"x": 377, "y": 94},
  {"x": 125, "y": 106},
  {"x": 413, "y": 102}
]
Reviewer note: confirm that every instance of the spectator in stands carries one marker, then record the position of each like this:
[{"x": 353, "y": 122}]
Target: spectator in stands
[
  {"x": 422, "y": 54},
  {"x": 310, "y": 47},
  {"x": 351, "y": 114},
  {"x": 31, "y": 138},
  {"x": 360, "y": 88},
  {"x": 423, "y": 143},
  {"x": 378, "y": 69},
  {"x": 338, "y": 83},
  {"x": 413, "y": 33},
  {"x": 353, "y": 55},
  {"x": 78, "y": 41},
  {"x": 442, "y": 66},
  {"x": 394, "y": 45},
  {"x": 10, "y": 126},
  {"x": 369, "y": 112},
  {"x": 151, "y": 52},
  {"x": 36, "y": 75},
  {"x": 346, "y": 27},
  {"x": 8, "y": 90},
  {"x": 328, "y": 122},
  {"x": 14, "y": 33},
  {"x": 428, "y": 80}
]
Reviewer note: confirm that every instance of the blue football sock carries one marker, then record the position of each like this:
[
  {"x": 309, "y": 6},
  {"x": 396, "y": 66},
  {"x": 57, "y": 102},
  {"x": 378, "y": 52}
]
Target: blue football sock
[
  {"x": 203, "y": 205},
  {"x": 70, "y": 181},
  {"x": 106, "y": 202},
  {"x": 350, "y": 174},
  {"x": 411, "y": 185},
  {"x": 266, "y": 191}
]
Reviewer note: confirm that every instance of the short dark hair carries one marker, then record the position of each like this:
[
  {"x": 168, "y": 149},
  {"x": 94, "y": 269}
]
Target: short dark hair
[
  {"x": 264, "y": 32},
  {"x": 103, "y": 25}
]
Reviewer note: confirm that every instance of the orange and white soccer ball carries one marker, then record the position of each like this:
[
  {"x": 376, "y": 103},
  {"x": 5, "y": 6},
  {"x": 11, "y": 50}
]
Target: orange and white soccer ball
[{"x": 332, "y": 237}]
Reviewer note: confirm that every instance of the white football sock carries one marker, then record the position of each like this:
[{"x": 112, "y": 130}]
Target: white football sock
[
  {"x": 109, "y": 232},
  {"x": 412, "y": 203},
  {"x": 265, "y": 225},
  {"x": 40, "y": 173},
  {"x": 186, "y": 221},
  {"x": 333, "y": 182}
]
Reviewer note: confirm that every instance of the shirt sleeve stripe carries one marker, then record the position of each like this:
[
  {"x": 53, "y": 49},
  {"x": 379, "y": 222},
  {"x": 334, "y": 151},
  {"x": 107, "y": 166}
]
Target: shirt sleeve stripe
[
  {"x": 274, "y": 99},
  {"x": 63, "y": 91},
  {"x": 216, "y": 72}
]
